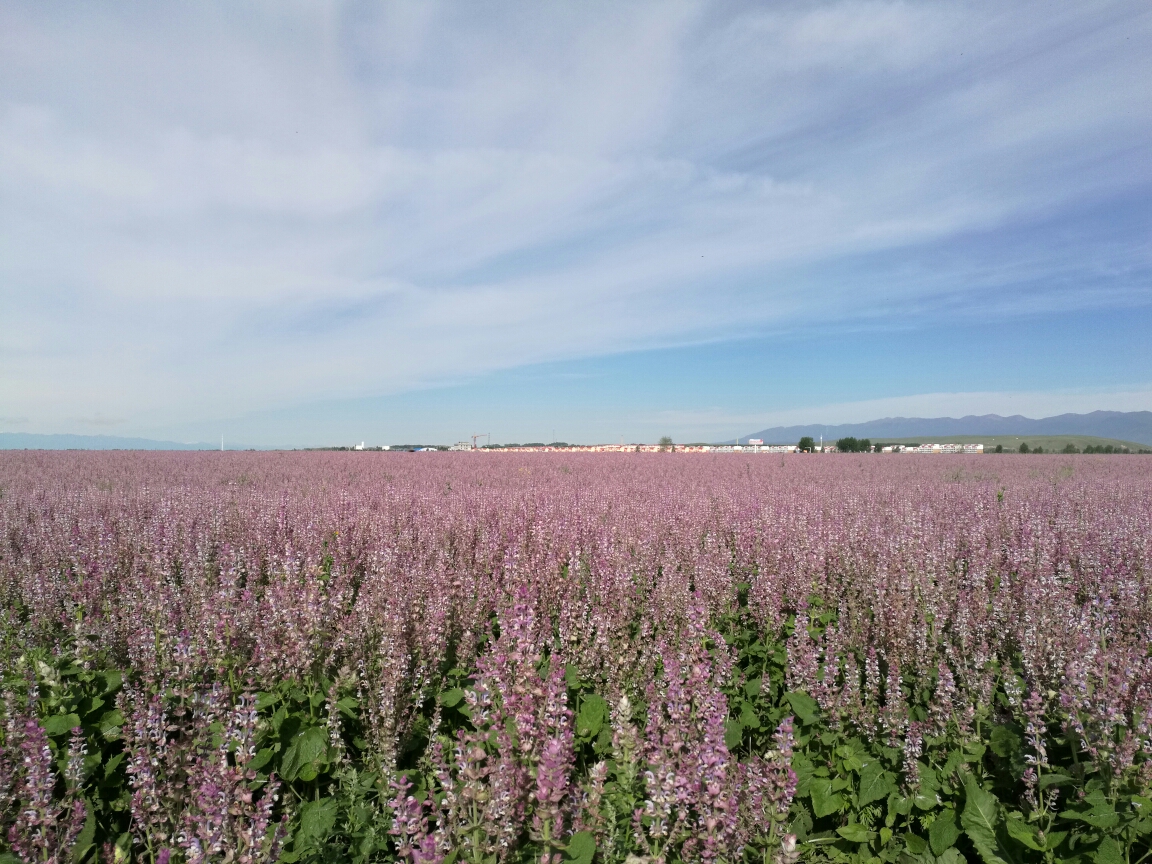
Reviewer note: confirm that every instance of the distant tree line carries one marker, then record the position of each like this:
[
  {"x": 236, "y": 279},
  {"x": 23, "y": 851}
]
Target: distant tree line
[{"x": 1070, "y": 449}]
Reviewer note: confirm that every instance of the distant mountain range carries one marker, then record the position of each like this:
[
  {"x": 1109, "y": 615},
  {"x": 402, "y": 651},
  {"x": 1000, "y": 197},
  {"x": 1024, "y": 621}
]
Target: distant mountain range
[
  {"x": 31, "y": 441},
  {"x": 1133, "y": 426}
]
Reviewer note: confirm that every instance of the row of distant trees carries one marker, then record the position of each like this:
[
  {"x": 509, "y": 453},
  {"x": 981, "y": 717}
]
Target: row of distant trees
[
  {"x": 844, "y": 445},
  {"x": 863, "y": 445}
]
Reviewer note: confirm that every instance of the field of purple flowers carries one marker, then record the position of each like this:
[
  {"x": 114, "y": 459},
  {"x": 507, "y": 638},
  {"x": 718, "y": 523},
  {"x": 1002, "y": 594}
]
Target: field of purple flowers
[{"x": 574, "y": 658}]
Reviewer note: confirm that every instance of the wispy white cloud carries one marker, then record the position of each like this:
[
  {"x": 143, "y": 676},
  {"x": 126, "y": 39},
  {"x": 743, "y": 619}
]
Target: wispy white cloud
[{"x": 213, "y": 209}]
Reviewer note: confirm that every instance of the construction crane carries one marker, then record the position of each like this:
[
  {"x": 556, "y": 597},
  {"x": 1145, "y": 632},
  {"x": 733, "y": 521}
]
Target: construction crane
[{"x": 481, "y": 435}]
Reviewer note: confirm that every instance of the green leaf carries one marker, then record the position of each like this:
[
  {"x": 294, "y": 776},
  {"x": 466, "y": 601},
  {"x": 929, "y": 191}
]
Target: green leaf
[
  {"x": 451, "y": 698},
  {"x": 899, "y": 804},
  {"x": 875, "y": 784},
  {"x": 265, "y": 700},
  {"x": 1004, "y": 741},
  {"x": 804, "y": 768},
  {"x": 1020, "y": 830},
  {"x": 112, "y": 764},
  {"x": 974, "y": 751},
  {"x": 9, "y": 858},
  {"x": 824, "y": 802},
  {"x": 752, "y": 688},
  {"x": 1108, "y": 852},
  {"x": 571, "y": 677},
  {"x": 317, "y": 819},
  {"x": 733, "y": 734},
  {"x": 85, "y": 839},
  {"x": 980, "y": 818},
  {"x": 915, "y": 843},
  {"x": 112, "y": 680},
  {"x": 944, "y": 832},
  {"x": 60, "y": 724},
  {"x": 748, "y": 718},
  {"x": 591, "y": 717},
  {"x": 305, "y": 748},
  {"x": 581, "y": 848},
  {"x": 855, "y": 833},
  {"x": 110, "y": 723},
  {"x": 1054, "y": 780},
  {"x": 950, "y": 856},
  {"x": 262, "y": 758},
  {"x": 804, "y": 706},
  {"x": 1095, "y": 818}
]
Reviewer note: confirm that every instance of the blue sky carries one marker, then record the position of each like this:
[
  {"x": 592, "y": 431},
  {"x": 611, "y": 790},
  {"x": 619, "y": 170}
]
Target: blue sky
[{"x": 308, "y": 223}]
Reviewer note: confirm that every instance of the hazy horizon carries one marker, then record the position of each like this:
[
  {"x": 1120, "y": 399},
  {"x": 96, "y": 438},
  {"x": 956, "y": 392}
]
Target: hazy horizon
[{"x": 315, "y": 223}]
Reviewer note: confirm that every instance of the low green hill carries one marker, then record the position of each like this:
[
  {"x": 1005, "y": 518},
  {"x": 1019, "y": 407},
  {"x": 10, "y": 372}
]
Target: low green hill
[{"x": 1050, "y": 443}]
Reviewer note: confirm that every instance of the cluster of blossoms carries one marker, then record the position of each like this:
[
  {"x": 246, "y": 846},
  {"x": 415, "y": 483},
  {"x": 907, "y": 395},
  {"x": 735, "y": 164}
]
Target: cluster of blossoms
[{"x": 882, "y": 578}]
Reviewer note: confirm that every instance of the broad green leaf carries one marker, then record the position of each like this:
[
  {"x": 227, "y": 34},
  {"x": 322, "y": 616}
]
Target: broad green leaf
[
  {"x": 112, "y": 764},
  {"x": 571, "y": 677},
  {"x": 926, "y": 799},
  {"x": 752, "y": 688},
  {"x": 1020, "y": 830},
  {"x": 112, "y": 680},
  {"x": 803, "y": 767},
  {"x": 110, "y": 723},
  {"x": 262, "y": 758},
  {"x": 899, "y": 804},
  {"x": 950, "y": 856},
  {"x": 980, "y": 818},
  {"x": 1054, "y": 780},
  {"x": 1004, "y": 741},
  {"x": 591, "y": 717},
  {"x": 915, "y": 843},
  {"x": 265, "y": 700},
  {"x": 875, "y": 784},
  {"x": 748, "y": 718},
  {"x": 824, "y": 802},
  {"x": 974, "y": 752},
  {"x": 317, "y": 819},
  {"x": 1094, "y": 818},
  {"x": 1098, "y": 801},
  {"x": 85, "y": 839},
  {"x": 733, "y": 734},
  {"x": 60, "y": 724},
  {"x": 9, "y": 858},
  {"x": 1108, "y": 852},
  {"x": 853, "y": 763},
  {"x": 855, "y": 833},
  {"x": 944, "y": 832},
  {"x": 581, "y": 848},
  {"x": 304, "y": 749},
  {"x": 804, "y": 706},
  {"x": 451, "y": 698}
]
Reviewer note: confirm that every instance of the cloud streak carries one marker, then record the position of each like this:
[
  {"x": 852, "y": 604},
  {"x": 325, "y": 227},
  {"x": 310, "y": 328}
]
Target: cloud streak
[{"x": 215, "y": 209}]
